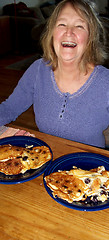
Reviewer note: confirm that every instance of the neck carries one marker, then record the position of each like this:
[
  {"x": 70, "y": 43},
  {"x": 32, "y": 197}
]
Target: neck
[
  {"x": 69, "y": 78},
  {"x": 67, "y": 71},
  {"x": 66, "y": 66}
]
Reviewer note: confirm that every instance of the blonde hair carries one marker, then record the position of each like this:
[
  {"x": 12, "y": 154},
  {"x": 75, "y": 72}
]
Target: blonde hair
[{"x": 95, "y": 53}]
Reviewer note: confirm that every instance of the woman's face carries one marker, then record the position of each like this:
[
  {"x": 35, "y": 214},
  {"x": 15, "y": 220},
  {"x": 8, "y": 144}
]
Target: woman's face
[{"x": 70, "y": 35}]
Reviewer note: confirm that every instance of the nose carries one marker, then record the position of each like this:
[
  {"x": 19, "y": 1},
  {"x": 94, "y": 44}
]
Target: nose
[{"x": 69, "y": 31}]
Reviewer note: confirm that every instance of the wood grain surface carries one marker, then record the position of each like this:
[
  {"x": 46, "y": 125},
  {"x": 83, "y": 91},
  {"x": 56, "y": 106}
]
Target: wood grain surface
[{"x": 27, "y": 212}]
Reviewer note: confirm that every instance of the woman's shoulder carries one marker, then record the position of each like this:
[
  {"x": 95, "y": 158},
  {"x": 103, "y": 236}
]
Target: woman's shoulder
[
  {"x": 101, "y": 76},
  {"x": 39, "y": 66},
  {"x": 40, "y": 62},
  {"x": 102, "y": 69}
]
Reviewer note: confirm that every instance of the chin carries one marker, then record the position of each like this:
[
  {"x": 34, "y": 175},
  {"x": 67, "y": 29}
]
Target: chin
[{"x": 68, "y": 60}]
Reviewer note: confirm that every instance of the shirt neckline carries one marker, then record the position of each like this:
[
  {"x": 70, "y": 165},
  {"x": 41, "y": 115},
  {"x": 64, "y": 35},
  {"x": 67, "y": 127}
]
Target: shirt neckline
[{"x": 80, "y": 90}]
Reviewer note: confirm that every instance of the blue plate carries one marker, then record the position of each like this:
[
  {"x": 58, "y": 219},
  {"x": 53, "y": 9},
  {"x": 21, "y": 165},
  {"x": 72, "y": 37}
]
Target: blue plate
[
  {"x": 82, "y": 160},
  {"x": 23, "y": 141}
]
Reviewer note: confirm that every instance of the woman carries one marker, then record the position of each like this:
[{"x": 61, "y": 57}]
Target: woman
[{"x": 68, "y": 87}]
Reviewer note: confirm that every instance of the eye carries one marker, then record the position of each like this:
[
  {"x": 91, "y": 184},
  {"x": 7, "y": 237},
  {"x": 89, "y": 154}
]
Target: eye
[
  {"x": 61, "y": 25},
  {"x": 80, "y": 26}
]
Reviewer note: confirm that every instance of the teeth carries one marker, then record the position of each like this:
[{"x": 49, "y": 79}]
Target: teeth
[{"x": 69, "y": 44}]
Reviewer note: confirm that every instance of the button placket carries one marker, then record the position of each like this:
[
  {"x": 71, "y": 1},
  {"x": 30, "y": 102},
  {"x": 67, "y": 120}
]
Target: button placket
[{"x": 63, "y": 107}]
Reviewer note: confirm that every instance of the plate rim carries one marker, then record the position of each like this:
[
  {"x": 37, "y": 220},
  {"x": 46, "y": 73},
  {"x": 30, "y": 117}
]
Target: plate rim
[
  {"x": 6, "y": 140},
  {"x": 63, "y": 202}
]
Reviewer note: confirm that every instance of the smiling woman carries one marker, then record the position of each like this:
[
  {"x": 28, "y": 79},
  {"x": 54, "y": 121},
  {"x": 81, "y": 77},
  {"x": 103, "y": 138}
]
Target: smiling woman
[
  {"x": 70, "y": 35},
  {"x": 95, "y": 52},
  {"x": 66, "y": 85},
  {"x": 70, "y": 38}
]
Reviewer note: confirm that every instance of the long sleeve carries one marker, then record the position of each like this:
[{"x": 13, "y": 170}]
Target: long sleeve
[{"x": 21, "y": 98}]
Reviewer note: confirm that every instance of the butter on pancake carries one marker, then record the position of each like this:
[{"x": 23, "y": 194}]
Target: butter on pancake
[{"x": 15, "y": 160}]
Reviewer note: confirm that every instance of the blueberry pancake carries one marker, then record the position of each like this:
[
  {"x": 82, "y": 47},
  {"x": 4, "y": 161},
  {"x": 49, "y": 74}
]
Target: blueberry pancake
[
  {"x": 7, "y": 151},
  {"x": 16, "y": 160},
  {"x": 12, "y": 166},
  {"x": 36, "y": 156},
  {"x": 79, "y": 185}
]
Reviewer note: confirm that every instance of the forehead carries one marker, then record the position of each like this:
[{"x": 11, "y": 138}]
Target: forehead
[{"x": 70, "y": 11}]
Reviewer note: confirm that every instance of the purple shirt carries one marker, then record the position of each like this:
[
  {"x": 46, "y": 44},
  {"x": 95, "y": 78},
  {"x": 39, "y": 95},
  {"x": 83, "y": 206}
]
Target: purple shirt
[{"x": 81, "y": 116}]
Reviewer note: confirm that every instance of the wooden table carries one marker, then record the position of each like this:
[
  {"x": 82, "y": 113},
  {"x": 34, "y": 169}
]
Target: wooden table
[{"x": 27, "y": 212}]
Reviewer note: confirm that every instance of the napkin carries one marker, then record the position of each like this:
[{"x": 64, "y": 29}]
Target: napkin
[{"x": 9, "y": 131}]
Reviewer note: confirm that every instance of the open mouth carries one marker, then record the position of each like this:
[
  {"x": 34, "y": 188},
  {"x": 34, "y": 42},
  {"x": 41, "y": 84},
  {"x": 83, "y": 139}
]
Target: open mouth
[{"x": 69, "y": 44}]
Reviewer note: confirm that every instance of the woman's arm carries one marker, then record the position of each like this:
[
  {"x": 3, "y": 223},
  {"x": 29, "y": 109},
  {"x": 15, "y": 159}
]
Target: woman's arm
[{"x": 21, "y": 98}]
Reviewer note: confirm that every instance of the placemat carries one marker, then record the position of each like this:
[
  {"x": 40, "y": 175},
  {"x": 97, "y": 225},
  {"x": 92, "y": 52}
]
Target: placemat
[{"x": 9, "y": 131}]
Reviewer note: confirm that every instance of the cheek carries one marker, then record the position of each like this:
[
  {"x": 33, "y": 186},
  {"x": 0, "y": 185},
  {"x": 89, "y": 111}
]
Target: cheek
[
  {"x": 83, "y": 38},
  {"x": 57, "y": 35},
  {"x": 56, "y": 41}
]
